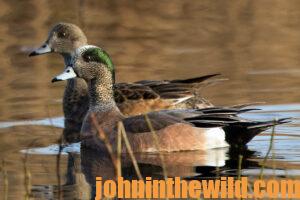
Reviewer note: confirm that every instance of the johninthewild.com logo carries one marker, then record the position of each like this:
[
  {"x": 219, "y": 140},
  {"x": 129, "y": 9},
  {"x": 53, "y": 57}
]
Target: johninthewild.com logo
[{"x": 225, "y": 187}]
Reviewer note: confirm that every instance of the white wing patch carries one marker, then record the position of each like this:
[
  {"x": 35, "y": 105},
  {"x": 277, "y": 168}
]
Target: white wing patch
[{"x": 180, "y": 100}]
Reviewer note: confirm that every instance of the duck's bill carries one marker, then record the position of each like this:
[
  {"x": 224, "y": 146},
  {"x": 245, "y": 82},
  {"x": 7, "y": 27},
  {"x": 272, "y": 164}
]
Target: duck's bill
[
  {"x": 45, "y": 48},
  {"x": 67, "y": 74}
]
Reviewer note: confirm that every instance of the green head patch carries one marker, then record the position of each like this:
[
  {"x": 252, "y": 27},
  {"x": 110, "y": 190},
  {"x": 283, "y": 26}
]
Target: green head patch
[{"x": 100, "y": 56}]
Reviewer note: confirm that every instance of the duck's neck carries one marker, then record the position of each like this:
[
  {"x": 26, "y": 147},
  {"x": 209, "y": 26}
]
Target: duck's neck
[
  {"x": 101, "y": 94},
  {"x": 67, "y": 59}
]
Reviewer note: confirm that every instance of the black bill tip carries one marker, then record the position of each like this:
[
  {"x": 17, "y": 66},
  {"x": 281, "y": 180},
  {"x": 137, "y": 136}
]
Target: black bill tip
[
  {"x": 34, "y": 53},
  {"x": 55, "y": 80}
]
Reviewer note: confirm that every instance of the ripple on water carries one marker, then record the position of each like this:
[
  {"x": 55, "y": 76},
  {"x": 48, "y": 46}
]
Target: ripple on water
[
  {"x": 54, "y": 149},
  {"x": 57, "y": 122}
]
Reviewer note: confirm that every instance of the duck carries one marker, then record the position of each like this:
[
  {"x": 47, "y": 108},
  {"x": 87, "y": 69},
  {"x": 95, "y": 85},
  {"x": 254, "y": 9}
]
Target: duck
[
  {"x": 132, "y": 98},
  {"x": 175, "y": 130}
]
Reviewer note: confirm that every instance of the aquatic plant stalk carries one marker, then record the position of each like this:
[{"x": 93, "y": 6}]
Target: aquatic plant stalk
[
  {"x": 155, "y": 138},
  {"x": 103, "y": 137},
  {"x": 5, "y": 181},
  {"x": 122, "y": 131},
  {"x": 240, "y": 166},
  {"x": 268, "y": 152},
  {"x": 119, "y": 151},
  {"x": 58, "y": 156},
  {"x": 129, "y": 149},
  {"x": 27, "y": 177}
]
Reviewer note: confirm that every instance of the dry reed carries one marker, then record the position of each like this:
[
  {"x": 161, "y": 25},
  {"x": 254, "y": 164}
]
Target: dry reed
[
  {"x": 5, "y": 180},
  {"x": 101, "y": 134},
  {"x": 129, "y": 149},
  {"x": 119, "y": 151},
  {"x": 239, "y": 172},
  {"x": 27, "y": 177},
  {"x": 154, "y": 135},
  {"x": 58, "y": 157},
  {"x": 268, "y": 152},
  {"x": 117, "y": 161}
]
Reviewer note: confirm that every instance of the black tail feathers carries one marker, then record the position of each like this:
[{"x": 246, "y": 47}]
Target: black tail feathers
[
  {"x": 240, "y": 133},
  {"x": 195, "y": 80}
]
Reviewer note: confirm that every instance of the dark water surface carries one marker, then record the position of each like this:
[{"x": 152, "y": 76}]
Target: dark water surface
[{"x": 255, "y": 44}]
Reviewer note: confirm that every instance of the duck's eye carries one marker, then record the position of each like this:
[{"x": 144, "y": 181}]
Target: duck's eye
[
  {"x": 61, "y": 34},
  {"x": 68, "y": 71},
  {"x": 87, "y": 58}
]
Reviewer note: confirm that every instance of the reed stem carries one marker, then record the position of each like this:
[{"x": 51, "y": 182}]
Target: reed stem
[
  {"x": 268, "y": 152},
  {"x": 129, "y": 149},
  {"x": 155, "y": 138}
]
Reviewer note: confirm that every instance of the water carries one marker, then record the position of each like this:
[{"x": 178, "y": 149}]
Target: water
[{"x": 255, "y": 44}]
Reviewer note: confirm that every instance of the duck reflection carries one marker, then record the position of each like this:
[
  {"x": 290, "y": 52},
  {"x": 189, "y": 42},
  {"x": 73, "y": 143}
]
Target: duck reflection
[
  {"x": 94, "y": 163},
  {"x": 187, "y": 165},
  {"x": 83, "y": 168},
  {"x": 181, "y": 164}
]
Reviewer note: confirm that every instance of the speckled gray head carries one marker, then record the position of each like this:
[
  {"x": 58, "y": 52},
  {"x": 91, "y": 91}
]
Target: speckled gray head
[
  {"x": 88, "y": 62},
  {"x": 63, "y": 38}
]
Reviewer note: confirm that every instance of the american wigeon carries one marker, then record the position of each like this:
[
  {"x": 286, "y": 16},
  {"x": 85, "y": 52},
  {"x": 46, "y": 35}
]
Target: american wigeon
[
  {"x": 177, "y": 130},
  {"x": 131, "y": 98}
]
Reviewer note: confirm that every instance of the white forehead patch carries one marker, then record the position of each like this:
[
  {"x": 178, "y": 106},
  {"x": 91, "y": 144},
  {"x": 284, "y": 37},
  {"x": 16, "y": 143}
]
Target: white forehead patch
[{"x": 79, "y": 51}]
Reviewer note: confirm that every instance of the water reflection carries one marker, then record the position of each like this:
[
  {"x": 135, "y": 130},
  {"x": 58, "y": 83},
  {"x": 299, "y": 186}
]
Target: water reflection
[
  {"x": 80, "y": 167},
  {"x": 83, "y": 168},
  {"x": 176, "y": 164}
]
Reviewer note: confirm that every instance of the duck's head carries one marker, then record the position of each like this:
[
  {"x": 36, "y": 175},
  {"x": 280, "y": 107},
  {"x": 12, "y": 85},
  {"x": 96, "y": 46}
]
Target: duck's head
[
  {"x": 64, "y": 38},
  {"x": 90, "y": 63}
]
